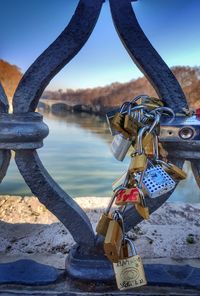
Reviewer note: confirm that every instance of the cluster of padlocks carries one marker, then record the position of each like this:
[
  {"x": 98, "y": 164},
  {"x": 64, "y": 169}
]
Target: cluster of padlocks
[{"x": 136, "y": 129}]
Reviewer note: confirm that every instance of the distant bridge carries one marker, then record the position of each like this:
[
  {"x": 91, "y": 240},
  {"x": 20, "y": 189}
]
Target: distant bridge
[{"x": 53, "y": 105}]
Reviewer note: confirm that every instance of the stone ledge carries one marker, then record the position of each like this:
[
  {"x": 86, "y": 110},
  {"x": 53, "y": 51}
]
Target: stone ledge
[{"x": 29, "y": 229}]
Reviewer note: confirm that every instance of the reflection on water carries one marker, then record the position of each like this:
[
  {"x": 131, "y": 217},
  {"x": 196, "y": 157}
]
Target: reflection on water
[{"x": 76, "y": 154}]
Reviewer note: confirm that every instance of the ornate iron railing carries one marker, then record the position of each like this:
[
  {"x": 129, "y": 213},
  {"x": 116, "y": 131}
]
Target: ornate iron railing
[{"x": 23, "y": 131}]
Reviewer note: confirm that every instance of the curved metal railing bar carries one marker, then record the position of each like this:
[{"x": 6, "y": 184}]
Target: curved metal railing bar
[
  {"x": 145, "y": 56},
  {"x": 5, "y": 155},
  {"x": 4, "y": 105},
  {"x": 56, "y": 56},
  {"x": 195, "y": 165},
  {"x": 26, "y": 98},
  {"x": 54, "y": 198}
]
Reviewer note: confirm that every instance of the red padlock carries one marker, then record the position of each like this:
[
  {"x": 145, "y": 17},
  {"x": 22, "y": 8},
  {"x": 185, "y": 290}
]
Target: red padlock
[
  {"x": 197, "y": 112},
  {"x": 128, "y": 195}
]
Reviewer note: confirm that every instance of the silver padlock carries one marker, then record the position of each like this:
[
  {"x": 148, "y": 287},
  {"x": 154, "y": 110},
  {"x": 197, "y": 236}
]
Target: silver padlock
[
  {"x": 156, "y": 181},
  {"x": 120, "y": 146}
]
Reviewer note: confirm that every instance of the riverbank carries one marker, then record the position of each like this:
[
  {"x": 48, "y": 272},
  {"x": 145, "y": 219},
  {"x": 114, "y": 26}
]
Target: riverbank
[{"x": 28, "y": 229}]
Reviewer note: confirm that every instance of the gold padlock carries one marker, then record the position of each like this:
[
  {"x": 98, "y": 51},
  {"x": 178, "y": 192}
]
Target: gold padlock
[
  {"x": 118, "y": 120},
  {"x": 106, "y": 218},
  {"x": 124, "y": 250},
  {"x": 142, "y": 211},
  {"x": 103, "y": 223},
  {"x": 113, "y": 241},
  {"x": 129, "y": 271},
  {"x": 139, "y": 160},
  {"x": 138, "y": 163},
  {"x": 163, "y": 153},
  {"x": 130, "y": 125},
  {"x": 128, "y": 121},
  {"x": 142, "y": 208},
  {"x": 147, "y": 138},
  {"x": 152, "y": 102},
  {"x": 175, "y": 172},
  {"x": 148, "y": 144}
]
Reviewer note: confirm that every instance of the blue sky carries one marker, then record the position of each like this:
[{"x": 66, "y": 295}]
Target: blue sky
[{"x": 28, "y": 27}]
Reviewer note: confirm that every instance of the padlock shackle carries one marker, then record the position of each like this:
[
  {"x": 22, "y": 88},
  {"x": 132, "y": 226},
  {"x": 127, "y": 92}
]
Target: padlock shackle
[
  {"x": 163, "y": 163},
  {"x": 142, "y": 177},
  {"x": 156, "y": 151},
  {"x": 123, "y": 106},
  {"x": 156, "y": 121},
  {"x": 121, "y": 218},
  {"x": 107, "y": 211},
  {"x": 160, "y": 111},
  {"x": 139, "y": 108},
  {"x": 131, "y": 108},
  {"x": 139, "y": 148},
  {"x": 165, "y": 110},
  {"x": 118, "y": 216},
  {"x": 155, "y": 147},
  {"x": 139, "y": 97},
  {"x": 142, "y": 197},
  {"x": 131, "y": 244}
]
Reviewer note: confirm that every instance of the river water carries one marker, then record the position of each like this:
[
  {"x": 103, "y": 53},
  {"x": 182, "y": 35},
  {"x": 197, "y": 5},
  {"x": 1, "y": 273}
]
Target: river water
[{"x": 77, "y": 155}]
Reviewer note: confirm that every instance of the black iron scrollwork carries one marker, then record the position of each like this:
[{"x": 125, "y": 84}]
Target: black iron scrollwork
[
  {"x": 32, "y": 85},
  {"x": 5, "y": 154}
]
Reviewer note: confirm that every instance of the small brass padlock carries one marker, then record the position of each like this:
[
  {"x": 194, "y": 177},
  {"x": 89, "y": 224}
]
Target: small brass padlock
[
  {"x": 152, "y": 102},
  {"x": 128, "y": 121},
  {"x": 139, "y": 161},
  {"x": 118, "y": 120},
  {"x": 113, "y": 240},
  {"x": 106, "y": 218},
  {"x": 124, "y": 250},
  {"x": 175, "y": 172},
  {"x": 148, "y": 144},
  {"x": 130, "y": 124},
  {"x": 142, "y": 208},
  {"x": 142, "y": 211},
  {"x": 103, "y": 223},
  {"x": 163, "y": 153},
  {"x": 129, "y": 271}
]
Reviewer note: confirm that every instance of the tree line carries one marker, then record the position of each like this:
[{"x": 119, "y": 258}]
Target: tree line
[
  {"x": 110, "y": 95},
  {"x": 116, "y": 93}
]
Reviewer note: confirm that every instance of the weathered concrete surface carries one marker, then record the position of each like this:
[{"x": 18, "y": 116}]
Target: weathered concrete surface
[
  {"x": 164, "y": 239},
  {"x": 29, "y": 230}
]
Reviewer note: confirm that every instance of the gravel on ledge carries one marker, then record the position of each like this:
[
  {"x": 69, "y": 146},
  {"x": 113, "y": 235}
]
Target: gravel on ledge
[{"x": 28, "y": 229}]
